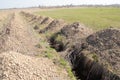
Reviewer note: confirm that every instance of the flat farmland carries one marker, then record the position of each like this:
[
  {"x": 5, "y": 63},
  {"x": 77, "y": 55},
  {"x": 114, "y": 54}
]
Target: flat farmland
[{"x": 95, "y": 18}]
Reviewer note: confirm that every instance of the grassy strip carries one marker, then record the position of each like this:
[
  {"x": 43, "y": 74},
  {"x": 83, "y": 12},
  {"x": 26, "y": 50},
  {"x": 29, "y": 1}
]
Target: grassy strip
[{"x": 95, "y": 18}]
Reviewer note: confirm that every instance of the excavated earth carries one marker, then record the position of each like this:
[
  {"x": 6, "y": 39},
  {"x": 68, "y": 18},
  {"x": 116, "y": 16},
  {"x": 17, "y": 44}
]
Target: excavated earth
[
  {"x": 15, "y": 66},
  {"x": 106, "y": 45},
  {"x": 54, "y": 26},
  {"x": 69, "y": 35},
  {"x": 102, "y": 47}
]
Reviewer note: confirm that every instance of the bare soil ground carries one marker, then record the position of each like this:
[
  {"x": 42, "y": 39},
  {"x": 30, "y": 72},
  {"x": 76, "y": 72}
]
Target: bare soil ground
[
  {"x": 17, "y": 42},
  {"x": 21, "y": 37},
  {"x": 15, "y": 66}
]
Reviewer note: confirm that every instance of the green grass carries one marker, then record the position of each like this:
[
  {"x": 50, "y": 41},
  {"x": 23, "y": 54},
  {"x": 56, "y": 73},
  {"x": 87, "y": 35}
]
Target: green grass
[
  {"x": 65, "y": 64},
  {"x": 96, "y": 18}
]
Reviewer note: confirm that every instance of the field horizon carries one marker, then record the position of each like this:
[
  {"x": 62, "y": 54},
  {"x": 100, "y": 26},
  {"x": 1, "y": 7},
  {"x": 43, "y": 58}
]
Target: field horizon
[{"x": 96, "y": 18}]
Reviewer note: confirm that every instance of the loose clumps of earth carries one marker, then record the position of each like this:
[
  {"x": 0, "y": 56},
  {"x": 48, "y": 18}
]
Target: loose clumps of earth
[{"x": 16, "y": 66}]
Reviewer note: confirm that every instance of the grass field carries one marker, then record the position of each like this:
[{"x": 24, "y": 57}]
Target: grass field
[{"x": 96, "y": 18}]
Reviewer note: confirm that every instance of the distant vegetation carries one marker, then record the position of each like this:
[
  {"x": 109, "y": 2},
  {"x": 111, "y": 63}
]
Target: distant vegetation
[{"x": 96, "y": 18}]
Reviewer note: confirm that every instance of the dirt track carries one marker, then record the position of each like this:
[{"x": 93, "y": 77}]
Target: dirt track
[{"x": 21, "y": 37}]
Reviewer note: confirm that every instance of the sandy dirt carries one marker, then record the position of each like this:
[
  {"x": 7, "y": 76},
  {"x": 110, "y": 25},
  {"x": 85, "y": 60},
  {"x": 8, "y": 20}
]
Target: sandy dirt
[
  {"x": 21, "y": 37},
  {"x": 15, "y": 66},
  {"x": 17, "y": 42}
]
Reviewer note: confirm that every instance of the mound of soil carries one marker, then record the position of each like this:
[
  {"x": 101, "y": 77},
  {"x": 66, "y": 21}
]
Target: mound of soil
[
  {"x": 76, "y": 30},
  {"x": 106, "y": 44},
  {"x": 54, "y": 26},
  {"x": 40, "y": 19},
  {"x": 36, "y": 27},
  {"x": 102, "y": 47},
  {"x": 37, "y": 20},
  {"x": 33, "y": 18},
  {"x": 87, "y": 69},
  {"x": 69, "y": 35},
  {"x": 105, "y": 39},
  {"x": 15, "y": 66},
  {"x": 47, "y": 20}
]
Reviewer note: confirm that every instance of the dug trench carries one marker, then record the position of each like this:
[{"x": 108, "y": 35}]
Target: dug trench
[
  {"x": 91, "y": 58},
  {"x": 92, "y": 55}
]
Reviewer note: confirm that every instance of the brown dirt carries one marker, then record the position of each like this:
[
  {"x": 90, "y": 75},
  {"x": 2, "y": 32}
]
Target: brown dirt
[
  {"x": 21, "y": 37},
  {"x": 102, "y": 47},
  {"x": 5, "y": 31},
  {"x": 54, "y": 26},
  {"x": 18, "y": 41},
  {"x": 69, "y": 35},
  {"x": 106, "y": 44},
  {"x": 76, "y": 29},
  {"x": 46, "y": 20},
  {"x": 15, "y": 66},
  {"x": 38, "y": 20}
]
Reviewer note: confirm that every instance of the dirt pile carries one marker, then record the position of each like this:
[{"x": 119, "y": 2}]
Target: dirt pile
[
  {"x": 39, "y": 20},
  {"x": 54, "y": 26},
  {"x": 15, "y": 66},
  {"x": 68, "y": 35},
  {"x": 76, "y": 29},
  {"x": 27, "y": 14},
  {"x": 30, "y": 17},
  {"x": 106, "y": 44},
  {"x": 86, "y": 69},
  {"x": 105, "y": 39},
  {"x": 46, "y": 20},
  {"x": 102, "y": 47}
]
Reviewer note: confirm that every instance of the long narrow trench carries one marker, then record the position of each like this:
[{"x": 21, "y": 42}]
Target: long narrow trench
[{"x": 86, "y": 69}]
